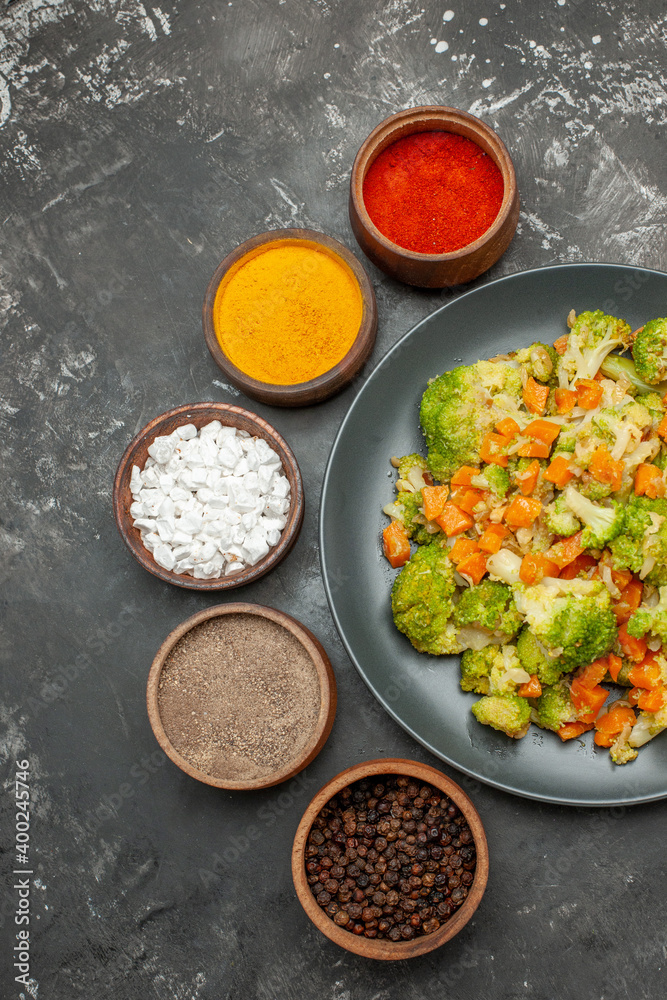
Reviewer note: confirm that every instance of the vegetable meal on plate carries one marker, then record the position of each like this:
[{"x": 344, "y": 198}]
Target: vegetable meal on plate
[{"x": 540, "y": 522}]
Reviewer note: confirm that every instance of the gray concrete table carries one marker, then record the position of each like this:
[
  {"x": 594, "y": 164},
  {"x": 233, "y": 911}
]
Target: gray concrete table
[{"x": 138, "y": 145}]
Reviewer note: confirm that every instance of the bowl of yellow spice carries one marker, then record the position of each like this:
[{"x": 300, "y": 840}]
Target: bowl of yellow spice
[{"x": 290, "y": 317}]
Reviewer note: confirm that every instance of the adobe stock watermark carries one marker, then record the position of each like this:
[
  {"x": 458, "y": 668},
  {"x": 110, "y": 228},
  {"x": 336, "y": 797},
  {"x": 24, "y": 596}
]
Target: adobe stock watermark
[
  {"x": 138, "y": 775},
  {"x": 266, "y": 817},
  {"x": 66, "y": 674}
]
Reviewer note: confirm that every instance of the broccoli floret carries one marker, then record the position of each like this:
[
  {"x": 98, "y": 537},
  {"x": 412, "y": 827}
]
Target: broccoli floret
[
  {"x": 592, "y": 337},
  {"x": 476, "y": 666},
  {"x": 653, "y": 620},
  {"x": 507, "y": 713},
  {"x": 534, "y": 660},
  {"x": 566, "y": 441},
  {"x": 489, "y": 606},
  {"x": 644, "y": 536},
  {"x": 554, "y": 708},
  {"x": 572, "y": 619},
  {"x": 407, "y": 509},
  {"x": 455, "y": 413},
  {"x": 648, "y": 725},
  {"x": 616, "y": 367},
  {"x": 593, "y": 490},
  {"x": 413, "y": 464},
  {"x": 602, "y": 523},
  {"x": 421, "y": 601},
  {"x": 538, "y": 360},
  {"x": 496, "y": 479},
  {"x": 559, "y": 519},
  {"x": 653, "y": 403},
  {"x": 649, "y": 351}
]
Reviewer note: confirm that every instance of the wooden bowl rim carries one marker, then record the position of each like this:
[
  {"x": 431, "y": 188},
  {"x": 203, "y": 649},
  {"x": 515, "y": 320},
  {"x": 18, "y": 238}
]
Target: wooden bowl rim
[
  {"x": 325, "y": 674},
  {"x": 417, "y": 116},
  {"x": 331, "y": 381},
  {"x": 205, "y": 412},
  {"x": 390, "y": 950}
]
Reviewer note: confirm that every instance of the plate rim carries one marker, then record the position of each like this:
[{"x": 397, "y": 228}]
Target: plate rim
[{"x": 504, "y": 786}]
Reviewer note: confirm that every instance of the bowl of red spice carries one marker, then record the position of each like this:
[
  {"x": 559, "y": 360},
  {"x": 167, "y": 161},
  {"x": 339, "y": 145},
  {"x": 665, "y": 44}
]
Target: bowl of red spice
[
  {"x": 433, "y": 197},
  {"x": 241, "y": 696},
  {"x": 290, "y": 317},
  {"x": 390, "y": 859}
]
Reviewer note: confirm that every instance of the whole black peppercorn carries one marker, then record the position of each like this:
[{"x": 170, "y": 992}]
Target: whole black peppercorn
[{"x": 390, "y": 860}]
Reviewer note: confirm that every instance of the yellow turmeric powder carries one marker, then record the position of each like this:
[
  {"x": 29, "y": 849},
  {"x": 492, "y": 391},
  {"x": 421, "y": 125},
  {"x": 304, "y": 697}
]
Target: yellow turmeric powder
[{"x": 287, "y": 312}]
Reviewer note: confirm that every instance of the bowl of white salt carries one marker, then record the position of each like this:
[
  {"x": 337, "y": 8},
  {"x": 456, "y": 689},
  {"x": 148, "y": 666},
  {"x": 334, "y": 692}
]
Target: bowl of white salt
[
  {"x": 241, "y": 696},
  {"x": 208, "y": 496}
]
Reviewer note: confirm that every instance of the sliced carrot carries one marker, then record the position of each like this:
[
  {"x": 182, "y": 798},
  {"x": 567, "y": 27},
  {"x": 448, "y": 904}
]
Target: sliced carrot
[
  {"x": 493, "y": 449},
  {"x": 453, "y": 520},
  {"x": 463, "y": 477},
  {"x": 629, "y": 601},
  {"x": 634, "y": 649},
  {"x": 621, "y": 578},
  {"x": 605, "y": 469},
  {"x": 534, "y": 449},
  {"x": 543, "y": 430},
  {"x": 462, "y": 548},
  {"x": 434, "y": 499},
  {"x": 560, "y": 345},
  {"x": 558, "y": 472},
  {"x": 662, "y": 428},
  {"x": 473, "y": 567},
  {"x": 615, "y": 664},
  {"x": 581, "y": 564},
  {"x": 565, "y": 551},
  {"x": 522, "y": 511},
  {"x": 492, "y": 538},
  {"x": 573, "y": 729},
  {"x": 534, "y": 567},
  {"x": 508, "y": 427},
  {"x": 566, "y": 400},
  {"x": 527, "y": 479},
  {"x": 587, "y": 701},
  {"x": 535, "y": 396},
  {"x": 615, "y": 720},
  {"x": 396, "y": 544},
  {"x": 646, "y": 675},
  {"x": 652, "y": 701},
  {"x": 467, "y": 497},
  {"x": 595, "y": 672},
  {"x": 589, "y": 393},
  {"x": 644, "y": 476},
  {"x": 604, "y": 739},
  {"x": 531, "y": 689}
]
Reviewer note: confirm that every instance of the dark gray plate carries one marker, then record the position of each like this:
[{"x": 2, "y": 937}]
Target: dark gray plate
[{"x": 422, "y": 692}]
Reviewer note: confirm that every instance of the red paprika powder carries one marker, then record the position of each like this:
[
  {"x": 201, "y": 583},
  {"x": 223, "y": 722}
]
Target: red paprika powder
[{"x": 433, "y": 192}]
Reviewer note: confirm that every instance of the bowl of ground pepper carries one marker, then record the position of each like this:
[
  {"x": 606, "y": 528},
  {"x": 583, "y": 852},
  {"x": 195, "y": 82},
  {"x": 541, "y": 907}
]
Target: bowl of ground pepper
[
  {"x": 390, "y": 859},
  {"x": 290, "y": 317},
  {"x": 433, "y": 197},
  {"x": 241, "y": 696}
]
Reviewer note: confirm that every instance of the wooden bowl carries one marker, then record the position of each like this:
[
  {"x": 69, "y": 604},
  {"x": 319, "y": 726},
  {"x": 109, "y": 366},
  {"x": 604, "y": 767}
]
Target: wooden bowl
[
  {"x": 328, "y": 696},
  {"x": 332, "y": 381},
  {"x": 445, "y": 269},
  {"x": 372, "y": 948},
  {"x": 200, "y": 414}
]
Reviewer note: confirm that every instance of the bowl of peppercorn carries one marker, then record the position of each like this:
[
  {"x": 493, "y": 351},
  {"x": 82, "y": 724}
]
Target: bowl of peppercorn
[
  {"x": 433, "y": 197},
  {"x": 390, "y": 859}
]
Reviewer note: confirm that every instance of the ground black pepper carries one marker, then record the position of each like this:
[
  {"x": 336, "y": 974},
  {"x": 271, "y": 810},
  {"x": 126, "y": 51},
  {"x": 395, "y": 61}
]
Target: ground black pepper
[
  {"x": 390, "y": 858},
  {"x": 239, "y": 697}
]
